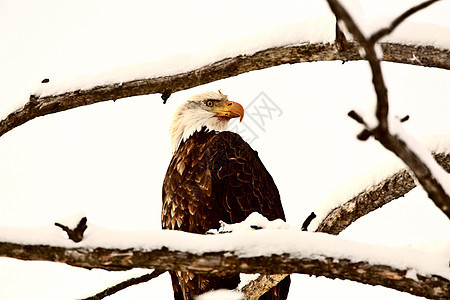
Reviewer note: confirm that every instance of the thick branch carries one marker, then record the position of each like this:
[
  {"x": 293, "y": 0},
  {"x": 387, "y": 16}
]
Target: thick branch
[
  {"x": 223, "y": 263},
  {"x": 258, "y": 287},
  {"x": 373, "y": 198},
  {"x": 36, "y": 107}
]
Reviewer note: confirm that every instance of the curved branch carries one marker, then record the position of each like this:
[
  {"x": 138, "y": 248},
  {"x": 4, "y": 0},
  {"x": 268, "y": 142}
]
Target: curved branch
[
  {"x": 125, "y": 284},
  {"x": 373, "y": 198},
  {"x": 224, "y": 263},
  {"x": 394, "y": 24},
  {"x": 40, "y": 106}
]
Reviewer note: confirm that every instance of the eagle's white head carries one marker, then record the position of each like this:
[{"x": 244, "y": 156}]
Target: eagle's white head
[{"x": 210, "y": 109}]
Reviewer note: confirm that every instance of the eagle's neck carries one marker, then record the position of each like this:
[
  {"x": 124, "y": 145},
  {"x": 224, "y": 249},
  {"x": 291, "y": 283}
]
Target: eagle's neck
[{"x": 185, "y": 124}]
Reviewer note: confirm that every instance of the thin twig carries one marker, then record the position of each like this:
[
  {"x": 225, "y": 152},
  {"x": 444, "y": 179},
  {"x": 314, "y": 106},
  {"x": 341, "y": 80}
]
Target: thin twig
[
  {"x": 388, "y": 30},
  {"x": 125, "y": 284}
]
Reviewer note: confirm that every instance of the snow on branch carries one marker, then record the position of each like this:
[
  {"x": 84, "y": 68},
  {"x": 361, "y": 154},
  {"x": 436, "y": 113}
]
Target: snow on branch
[
  {"x": 334, "y": 218},
  {"x": 266, "y": 251},
  {"x": 53, "y": 98}
]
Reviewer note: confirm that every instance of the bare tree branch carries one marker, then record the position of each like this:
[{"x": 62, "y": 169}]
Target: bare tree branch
[
  {"x": 390, "y": 141},
  {"x": 224, "y": 263},
  {"x": 77, "y": 233},
  {"x": 125, "y": 284},
  {"x": 388, "y": 30},
  {"x": 348, "y": 51}
]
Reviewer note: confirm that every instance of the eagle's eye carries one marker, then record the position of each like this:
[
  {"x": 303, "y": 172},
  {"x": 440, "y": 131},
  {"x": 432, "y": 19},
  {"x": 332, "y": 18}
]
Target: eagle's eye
[{"x": 209, "y": 103}]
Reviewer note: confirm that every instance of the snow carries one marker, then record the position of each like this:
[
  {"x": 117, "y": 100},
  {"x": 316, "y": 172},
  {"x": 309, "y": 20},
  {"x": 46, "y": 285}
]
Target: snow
[
  {"x": 436, "y": 144},
  {"x": 442, "y": 177},
  {"x": 411, "y": 274},
  {"x": 416, "y": 30},
  {"x": 316, "y": 30},
  {"x": 109, "y": 159},
  {"x": 221, "y": 295},
  {"x": 246, "y": 279},
  {"x": 254, "y": 221},
  {"x": 245, "y": 243},
  {"x": 72, "y": 220}
]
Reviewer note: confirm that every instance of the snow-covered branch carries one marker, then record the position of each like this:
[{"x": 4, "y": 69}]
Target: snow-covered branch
[
  {"x": 261, "y": 251},
  {"x": 374, "y": 197},
  {"x": 56, "y": 97}
]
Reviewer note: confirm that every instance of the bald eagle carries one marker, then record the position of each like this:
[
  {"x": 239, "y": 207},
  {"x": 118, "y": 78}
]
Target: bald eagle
[{"x": 214, "y": 176}]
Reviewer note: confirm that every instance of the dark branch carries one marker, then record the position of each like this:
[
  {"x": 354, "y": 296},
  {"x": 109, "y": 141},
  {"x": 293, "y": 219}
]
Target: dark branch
[
  {"x": 36, "y": 107},
  {"x": 77, "y": 233},
  {"x": 125, "y": 284},
  {"x": 225, "y": 263},
  {"x": 388, "y": 30},
  {"x": 308, "y": 220},
  {"x": 381, "y": 133},
  {"x": 355, "y": 116}
]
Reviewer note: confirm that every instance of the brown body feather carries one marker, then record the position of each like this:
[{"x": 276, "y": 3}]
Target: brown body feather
[{"x": 216, "y": 176}]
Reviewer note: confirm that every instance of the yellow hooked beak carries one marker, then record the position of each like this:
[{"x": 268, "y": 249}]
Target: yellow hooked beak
[{"x": 230, "y": 110}]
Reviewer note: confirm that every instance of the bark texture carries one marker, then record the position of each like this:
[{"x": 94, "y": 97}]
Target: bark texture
[
  {"x": 225, "y": 263},
  {"x": 373, "y": 198},
  {"x": 40, "y": 106}
]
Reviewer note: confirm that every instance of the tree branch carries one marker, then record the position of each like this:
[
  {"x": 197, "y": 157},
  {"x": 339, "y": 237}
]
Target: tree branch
[
  {"x": 225, "y": 263},
  {"x": 125, "y": 284},
  {"x": 373, "y": 198},
  {"x": 388, "y": 30},
  {"x": 382, "y": 132},
  {"x": 393, "y": 143},
  {"x": 77, "y": 233},
  {"x": 41, "y": 106},
  {"x": 344, "y": 215}
]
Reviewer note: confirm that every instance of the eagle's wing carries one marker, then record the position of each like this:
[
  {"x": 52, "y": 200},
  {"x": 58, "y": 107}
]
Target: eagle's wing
[
  {"x": 213, "y": 177},
  {"x": 240, "y": 182}
]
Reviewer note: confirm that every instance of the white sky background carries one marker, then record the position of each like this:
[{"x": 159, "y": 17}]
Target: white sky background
[{"x": 109, "y": 159}]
